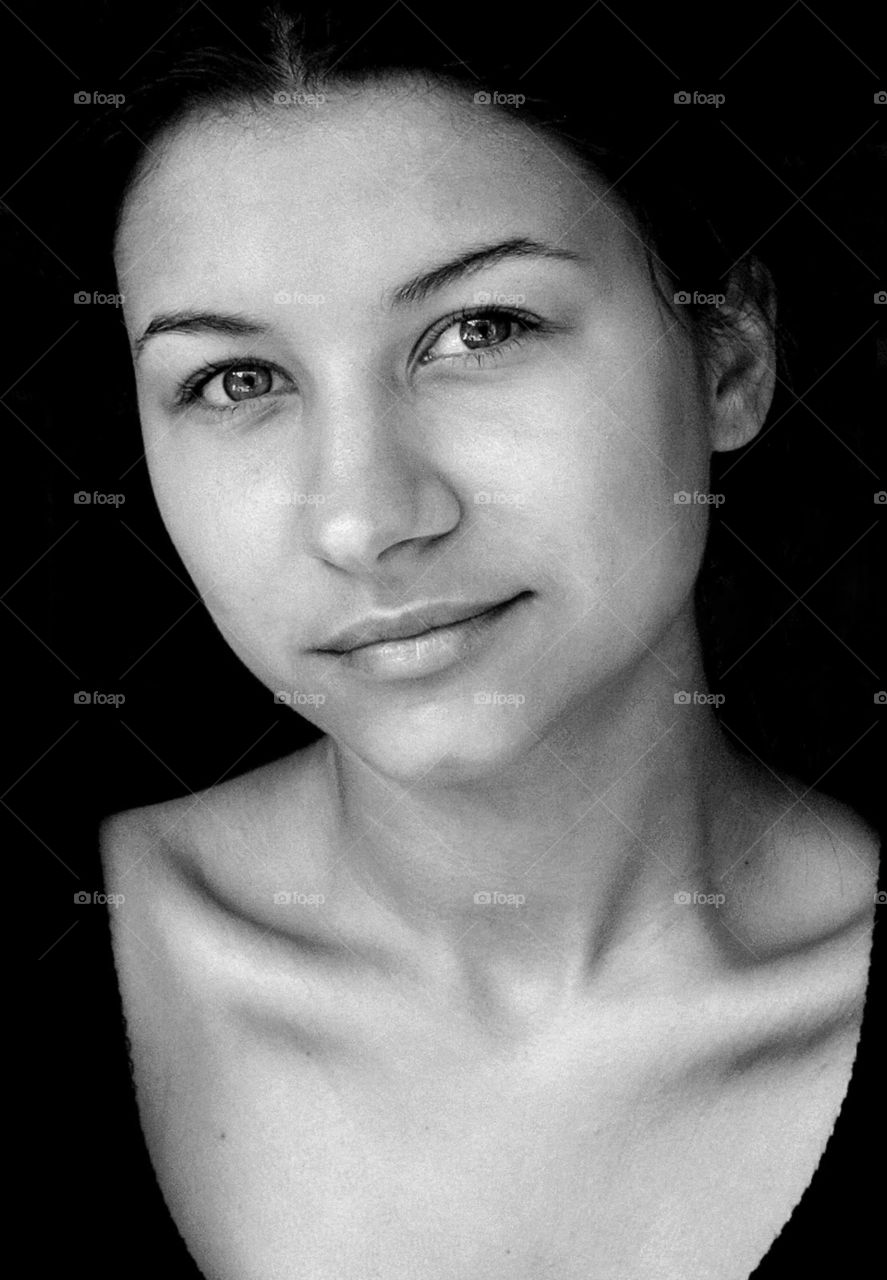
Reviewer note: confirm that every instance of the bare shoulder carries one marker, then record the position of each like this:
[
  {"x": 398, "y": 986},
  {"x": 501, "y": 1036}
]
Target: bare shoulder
[
  {"x": 825, "y": 855},
  {"x": 216, "y": 892},
  {"x": 806, "y": 873},
  {"x": 224, "y": 815},
  {"x": 234, "y": 845}
]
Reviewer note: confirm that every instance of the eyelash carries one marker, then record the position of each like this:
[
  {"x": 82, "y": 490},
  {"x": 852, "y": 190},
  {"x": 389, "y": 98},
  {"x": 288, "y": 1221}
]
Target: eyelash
[{"x": 189, "y": 394}]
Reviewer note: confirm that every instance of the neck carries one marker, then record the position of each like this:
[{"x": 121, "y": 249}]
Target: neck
[{"x": 546, "y": 865}]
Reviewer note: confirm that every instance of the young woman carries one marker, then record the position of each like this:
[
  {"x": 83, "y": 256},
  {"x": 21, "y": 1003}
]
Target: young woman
[{"x": 522, "y": 968}]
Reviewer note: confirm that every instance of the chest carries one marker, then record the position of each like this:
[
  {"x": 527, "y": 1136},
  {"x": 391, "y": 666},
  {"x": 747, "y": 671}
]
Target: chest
[{"x": 403, "y": 1153}]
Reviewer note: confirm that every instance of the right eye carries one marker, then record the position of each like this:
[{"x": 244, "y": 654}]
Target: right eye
[{"x": 239, "y": 381}]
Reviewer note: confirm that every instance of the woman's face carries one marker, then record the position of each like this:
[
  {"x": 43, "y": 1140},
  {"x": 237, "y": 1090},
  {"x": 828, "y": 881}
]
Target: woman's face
[{"x": 367, "y": 457}]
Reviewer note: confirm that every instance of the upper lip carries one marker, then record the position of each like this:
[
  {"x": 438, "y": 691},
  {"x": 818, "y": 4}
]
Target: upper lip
[{"x": 414, "y": 621}]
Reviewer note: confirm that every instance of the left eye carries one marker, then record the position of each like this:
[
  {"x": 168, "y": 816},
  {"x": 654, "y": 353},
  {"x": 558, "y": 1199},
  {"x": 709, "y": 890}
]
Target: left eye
[{"x": 479, "y": 334}]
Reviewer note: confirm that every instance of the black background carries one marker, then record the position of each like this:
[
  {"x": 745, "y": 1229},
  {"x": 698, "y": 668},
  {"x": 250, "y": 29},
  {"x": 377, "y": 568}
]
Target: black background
[{"x": 97, "y": 598}]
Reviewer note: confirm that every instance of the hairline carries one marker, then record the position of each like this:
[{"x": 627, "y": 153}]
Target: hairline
[{"x": 245, "y": 108}]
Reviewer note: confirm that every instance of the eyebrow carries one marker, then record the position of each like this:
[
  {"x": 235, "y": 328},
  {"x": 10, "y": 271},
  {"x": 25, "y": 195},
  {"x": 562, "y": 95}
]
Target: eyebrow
[
  {"x": 471, "y": 261},
  {"x": 416, "y": 290}
]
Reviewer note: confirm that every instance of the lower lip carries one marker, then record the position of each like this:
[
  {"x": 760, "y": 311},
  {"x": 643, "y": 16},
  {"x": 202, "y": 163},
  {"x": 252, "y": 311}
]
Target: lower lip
[{"x": 433, "y": 651}]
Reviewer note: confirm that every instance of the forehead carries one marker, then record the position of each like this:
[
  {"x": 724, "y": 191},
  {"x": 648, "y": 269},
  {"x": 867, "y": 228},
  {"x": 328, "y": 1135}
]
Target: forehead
[{"x": 361, "y": 189}]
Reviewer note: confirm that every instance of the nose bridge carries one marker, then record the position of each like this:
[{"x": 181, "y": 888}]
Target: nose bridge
[
  {"x": 368, "y": 482},
  {"x": 352, "y": 429}
]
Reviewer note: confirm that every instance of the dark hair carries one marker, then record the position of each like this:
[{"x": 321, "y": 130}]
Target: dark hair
[
  {"x": 702, "y": 204},
  {"x": 204, "y": 66}
]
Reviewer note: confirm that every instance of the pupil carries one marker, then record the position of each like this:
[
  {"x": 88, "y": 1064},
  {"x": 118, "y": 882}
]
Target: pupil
[
  {"x": 472, "y": 338},
  {"x": 239, "y": 384}
]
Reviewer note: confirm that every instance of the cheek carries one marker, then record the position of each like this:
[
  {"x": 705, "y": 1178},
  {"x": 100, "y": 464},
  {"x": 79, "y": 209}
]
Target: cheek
[
  {"x": 224, "y": 523},
  {"x": 652, "y": 452},
  {"x": 609, "y": 455}
]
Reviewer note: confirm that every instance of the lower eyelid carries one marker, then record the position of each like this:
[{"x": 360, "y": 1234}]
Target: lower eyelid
[
  {"x": 190, "y": 394},
  {"x": 486, "y": 353}
]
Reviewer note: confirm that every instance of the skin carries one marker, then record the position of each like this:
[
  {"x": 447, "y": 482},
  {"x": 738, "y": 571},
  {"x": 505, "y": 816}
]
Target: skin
[
  {"x": 607, "y": 1080},
  {"x": 598, "y": 798}
]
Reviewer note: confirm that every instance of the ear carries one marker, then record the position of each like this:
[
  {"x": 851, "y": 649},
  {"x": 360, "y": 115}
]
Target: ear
[{"x": 743, "y": 366}]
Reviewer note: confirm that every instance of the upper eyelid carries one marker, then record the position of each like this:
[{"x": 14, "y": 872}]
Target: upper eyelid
[
  {"x": 198, "y": 381},
  {"x": 439, "y": 328},
  {"x": 435, "y": 331},
  {"x": 476, "y": 310}
]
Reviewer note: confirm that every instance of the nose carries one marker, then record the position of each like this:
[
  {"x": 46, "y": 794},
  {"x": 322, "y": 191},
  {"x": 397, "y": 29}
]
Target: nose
[{"x": 377, "y": 482}]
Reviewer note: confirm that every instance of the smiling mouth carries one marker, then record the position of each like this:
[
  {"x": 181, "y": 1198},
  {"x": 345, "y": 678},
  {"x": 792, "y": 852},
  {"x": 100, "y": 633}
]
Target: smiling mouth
[
  {"x": 411, "y": 625},
  {"x": 454, "y": 642},
  {"x": 427, "y": 631}
]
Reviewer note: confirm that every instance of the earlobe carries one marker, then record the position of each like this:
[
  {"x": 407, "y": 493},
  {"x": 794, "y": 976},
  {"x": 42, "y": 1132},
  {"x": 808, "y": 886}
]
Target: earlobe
[{"x": 744, "y": 375}]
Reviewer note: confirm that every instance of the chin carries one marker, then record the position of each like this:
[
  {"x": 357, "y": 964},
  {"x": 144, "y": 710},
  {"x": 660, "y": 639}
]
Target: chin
[{"x": 470, "y": 745}]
